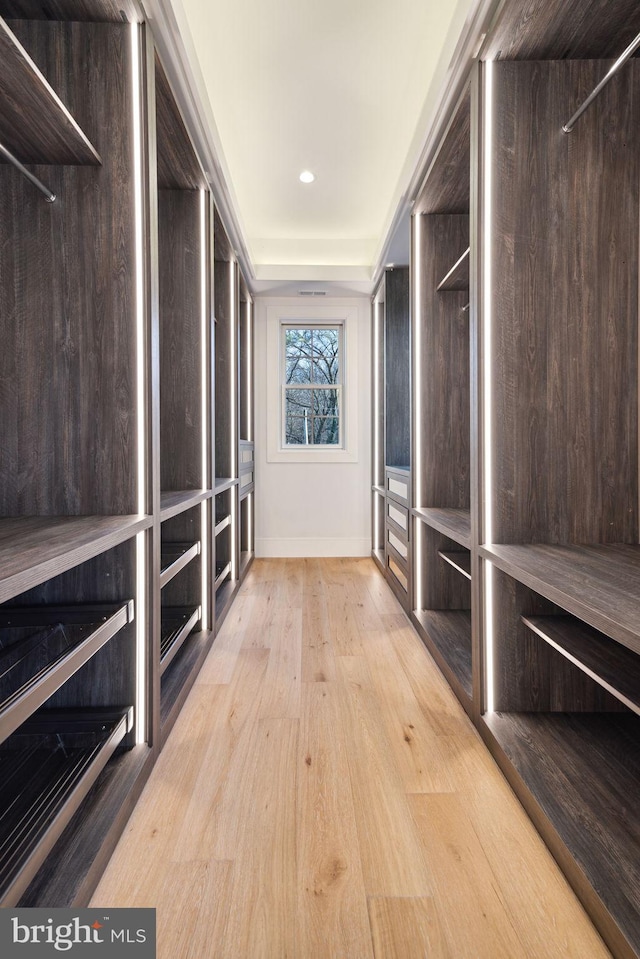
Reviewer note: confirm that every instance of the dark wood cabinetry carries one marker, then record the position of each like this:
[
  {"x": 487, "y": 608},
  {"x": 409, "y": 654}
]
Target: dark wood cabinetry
[
  {"x": 524, "y": 368},
  {"x": 110, "y": 513}
]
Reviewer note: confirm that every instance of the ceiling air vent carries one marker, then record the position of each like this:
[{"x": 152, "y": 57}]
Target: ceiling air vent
[{"x": 312, "y": 292}]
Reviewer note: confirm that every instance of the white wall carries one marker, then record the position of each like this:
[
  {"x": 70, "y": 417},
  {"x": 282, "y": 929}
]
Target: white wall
[{"x": 306, "y": 506}]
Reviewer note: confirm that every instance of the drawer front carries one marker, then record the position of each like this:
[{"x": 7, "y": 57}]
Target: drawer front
[
  {"x": 398, "y": 544},
  {"x": 399, "y": 516},
  {"x": 398, "y": 486},
  {"x": 398, "y": 571}
]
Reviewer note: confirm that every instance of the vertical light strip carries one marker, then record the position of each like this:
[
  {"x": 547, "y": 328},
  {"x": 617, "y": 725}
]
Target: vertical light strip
[
  {"x": 141, "y": 546},
  {"x": 417, "y": 408},
  {"x": 250, "y": 522},
  {"x": 204, "y": 339},
  {"x": 376, "y": 396},
  {"x": 487, "y": 430},
  {"x": 233, "y": 412}
]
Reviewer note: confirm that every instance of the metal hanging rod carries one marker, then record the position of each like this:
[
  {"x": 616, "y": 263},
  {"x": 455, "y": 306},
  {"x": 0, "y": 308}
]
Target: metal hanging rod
[
  {"x": 633, "y": 46},
  {"x": 49, "y": 196}
]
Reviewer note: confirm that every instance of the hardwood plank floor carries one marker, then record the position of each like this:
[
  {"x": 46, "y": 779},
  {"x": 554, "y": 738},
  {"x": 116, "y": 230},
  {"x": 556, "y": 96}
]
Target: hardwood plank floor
[{"x": 324, "y": 796}]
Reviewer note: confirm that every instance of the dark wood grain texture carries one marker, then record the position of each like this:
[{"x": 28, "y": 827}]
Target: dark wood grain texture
[
  {"x": 33, "y": 550},
  {"x": 443, "y": 421},
  {"x": 448, "y": 637},
  {"x": 443, "y": 587},
  {"x": 460, "y": 561},
  {"x": 68, "y": 364},
  {"x": 80, "y": 10},
  {"x": 598, "y": 584},
  {"x": 457, "y": 278},
  {"x": 593, "y": 815},
  {"x": 181, "y": 352},
  {"x": 245, "y": 365},
  {"x": 529, "y": 674},
  {"x": 568, "y": 29},
  {"x": 446, "y": 187},
  {"x": 226, "y": 340},
  {"x": 186, "y": 588},
  {"x": 178, "y": 166},
  {"x": 565, "y": 315},
  {"x": 173, "y": 502},
  {"x": 35, "y": 125},
  {"x": 611, "y": 665},
  {"x": 454, "y": 523},
  {"x": 397, "y": 356}
]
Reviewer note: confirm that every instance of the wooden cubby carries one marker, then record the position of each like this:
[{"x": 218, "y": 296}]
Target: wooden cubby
[{"x": 108, "y": 430}]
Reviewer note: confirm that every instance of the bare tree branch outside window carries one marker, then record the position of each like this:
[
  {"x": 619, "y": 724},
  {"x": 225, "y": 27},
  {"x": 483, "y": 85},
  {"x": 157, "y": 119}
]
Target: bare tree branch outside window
[{"x": 312, "y": 387}]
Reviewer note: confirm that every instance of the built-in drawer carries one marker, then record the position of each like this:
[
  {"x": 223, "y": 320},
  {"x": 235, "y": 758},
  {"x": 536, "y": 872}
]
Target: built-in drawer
[
  {"x": 397, "y": 570},
  {"x": 398, "y": 543},
  {"x": 398, "y": 516},
  {"x": 398, "y": 485}
]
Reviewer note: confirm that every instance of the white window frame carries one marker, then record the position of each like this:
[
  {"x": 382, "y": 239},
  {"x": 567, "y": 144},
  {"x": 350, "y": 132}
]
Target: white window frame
[
  {"x": 338, "y": 386},
  {"x": 282, "y": 313}
]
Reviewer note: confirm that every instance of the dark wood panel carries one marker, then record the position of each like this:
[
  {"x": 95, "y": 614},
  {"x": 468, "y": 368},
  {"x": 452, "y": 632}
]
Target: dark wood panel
[
  {"x": 457, "y": 559},
  {"x": 447, "y": 185},
  {"x": 82, "y": 10},
  {"x": 225, "y": 367},
  {"x": 186, "y": 588},
  {"x": 445, "y": 411},
  {"x": 599, "y": 584},
  {"x": 563, "y": 29},
  {"x": 397, "y": 358},
  {"x": 173, "y": 502},
  {"x": 584, "y": 772},
  {"x": 454, "y": 523},
  {"x": 565, "y": 316},
  {"x": 529, "y": 674},
  {"x": 178, "y": 166},
  {"x": 181, "y": 353},
  {"x": 33, "y": 550},
  {"x": 67, "y": 300},
  {"x": 457, "y": 278},
  {"x": 443, "y": 588},
  {"x": 449, "y": 635},
  {"x": 35, "y": 125},
  {"x": 609, "y": 663}
]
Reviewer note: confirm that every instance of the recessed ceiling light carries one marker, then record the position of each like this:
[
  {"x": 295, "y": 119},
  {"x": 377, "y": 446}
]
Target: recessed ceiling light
[{"x": 307, "y": 176}]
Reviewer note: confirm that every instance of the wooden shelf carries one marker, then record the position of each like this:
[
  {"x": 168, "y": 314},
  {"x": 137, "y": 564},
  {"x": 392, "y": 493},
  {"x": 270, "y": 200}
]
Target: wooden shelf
[
  {"x": 611, "y": 665},
  {"x": 35, "y": 125},
  {"x": 461, "y": 562},
  {"x": 457, "y": 279},
  {"x": 177, "y": 623},
  {"x": 173, "y": 502},
  {"x": 454, "y": 523},
  {"x": 174, "y": 557},
  {"x": 450, "y": 633},
  {"x": 583, "y": 771},
  {"x": 598, "y": 584},
  {"x": 35, "y": 549},
  {"x": 42, "y": 647},
  {"x": 223, "y": 484},
  {"x": 46, "y": 769}
]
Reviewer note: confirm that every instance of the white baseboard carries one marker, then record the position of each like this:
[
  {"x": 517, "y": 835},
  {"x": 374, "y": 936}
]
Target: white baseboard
[{"x": 300, "y": 547}]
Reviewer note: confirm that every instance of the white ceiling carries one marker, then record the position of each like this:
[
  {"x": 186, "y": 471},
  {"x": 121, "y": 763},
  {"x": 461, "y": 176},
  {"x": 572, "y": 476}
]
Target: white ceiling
[{"x": 344, "y": 88}]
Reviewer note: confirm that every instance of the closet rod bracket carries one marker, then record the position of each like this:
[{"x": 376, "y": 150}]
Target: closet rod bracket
[
  {"x": 633, "y": 46},
  {"x": 48, "y": 195}
]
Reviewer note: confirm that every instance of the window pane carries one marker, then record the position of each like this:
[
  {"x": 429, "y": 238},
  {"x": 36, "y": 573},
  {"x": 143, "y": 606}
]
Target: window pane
[
  {"x": 297, "y": 430},
  {"x": 326, "y": 430},
  {"x": 298, "y": 369},
  {"x": 325, "y": 402},
  {"x": 298, "y": 402},
  {"x": 325, "y": 356}
]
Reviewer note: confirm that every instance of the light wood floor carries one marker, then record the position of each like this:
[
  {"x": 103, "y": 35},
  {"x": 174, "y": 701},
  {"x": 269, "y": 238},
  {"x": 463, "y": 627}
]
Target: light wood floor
[{"x": 323, "y": 796}]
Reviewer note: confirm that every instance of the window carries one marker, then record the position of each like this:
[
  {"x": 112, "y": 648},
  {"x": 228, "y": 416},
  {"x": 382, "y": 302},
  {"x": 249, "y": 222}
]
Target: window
[{"x": 312, "y": 387}]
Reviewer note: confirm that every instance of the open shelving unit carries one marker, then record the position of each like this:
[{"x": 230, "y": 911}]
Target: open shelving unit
[
  {"x": 109, "y": 413},
  {"x": 441, "y": 337}
]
